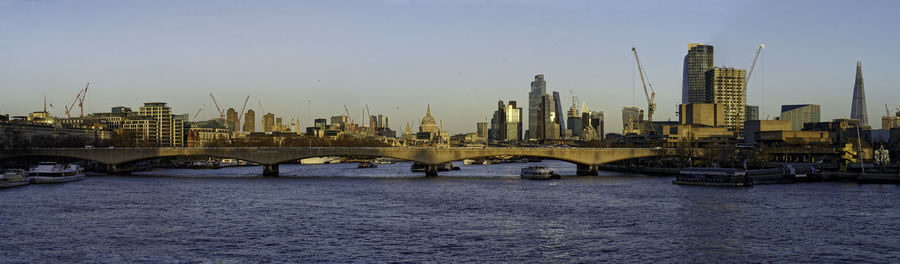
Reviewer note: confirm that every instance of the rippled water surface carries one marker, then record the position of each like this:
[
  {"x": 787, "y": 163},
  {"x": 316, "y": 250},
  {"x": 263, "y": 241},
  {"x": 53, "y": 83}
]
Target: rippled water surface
[{"x": 477, "y": 214}]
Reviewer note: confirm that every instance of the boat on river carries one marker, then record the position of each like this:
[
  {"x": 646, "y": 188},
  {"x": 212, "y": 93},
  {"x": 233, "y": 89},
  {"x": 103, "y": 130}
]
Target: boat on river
[
  {"x": 538, "y": 173},
  {"x": 367, "y": 165},
  {"x": 419, "y": 167},
  {"x": 13, "y": 178},
  {"x": 52, "y": 172}
]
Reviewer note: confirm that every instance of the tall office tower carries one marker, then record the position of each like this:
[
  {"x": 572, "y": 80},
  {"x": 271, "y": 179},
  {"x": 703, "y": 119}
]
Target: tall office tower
[
  {"x": 632, "y": 117},
  {"x": 506, "y": 124},
  {"x": 538, "y": 89},
  {"x": 573, "y": 121},
  {"x": 858, "y": 109},
  {"x": 597, "y": 123},
  {"x": 250, "y": 121},
  {"x": 697, "y": 63},
  {"x": 801, "y": 114},
  {"x": 726, "y": 87},
  {"x": 560, "y": 118},
  {"x": 231, "y": 119},
  {"x": 279, "y": 126},
  {"x": 382, "y": 122},
  {"x": 482, "y": 130},
  {"x": 549, "y": 126},
  {"x": 752, "y": 112},
  {"x": 268, "y": 122}
]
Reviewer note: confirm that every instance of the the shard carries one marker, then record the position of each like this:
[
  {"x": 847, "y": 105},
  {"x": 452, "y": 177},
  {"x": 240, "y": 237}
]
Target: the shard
[{"x": 858, "y": 109}]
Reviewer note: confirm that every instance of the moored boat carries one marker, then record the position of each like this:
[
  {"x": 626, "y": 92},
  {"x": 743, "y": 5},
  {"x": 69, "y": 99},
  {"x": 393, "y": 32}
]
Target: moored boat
[
  {"x": 385, "y": 161},
  {"x": 367, "y": 165},
  {"x": 722, "y": 177},
  {"x": 538, "y": 173},
  {"x": 51, "y": 172},
  {"x": 12, "y": 178}
]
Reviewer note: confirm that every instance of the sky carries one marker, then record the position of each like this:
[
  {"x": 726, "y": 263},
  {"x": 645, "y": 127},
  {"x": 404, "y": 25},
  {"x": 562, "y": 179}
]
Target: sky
[{"x": 311, "y": 58}]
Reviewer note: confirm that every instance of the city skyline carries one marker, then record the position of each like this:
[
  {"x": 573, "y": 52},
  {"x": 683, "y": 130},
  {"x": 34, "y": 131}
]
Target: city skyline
[{"x": 427, "y": 55}]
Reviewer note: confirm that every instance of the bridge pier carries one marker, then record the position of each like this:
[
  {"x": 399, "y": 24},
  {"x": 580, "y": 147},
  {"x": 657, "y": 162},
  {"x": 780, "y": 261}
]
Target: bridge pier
[
  {"x": 270, "y": 170},
  {"x": 588, "y": 170},
  {"x": 113, "y": 169},
  {"x": 431, "y": 170}
]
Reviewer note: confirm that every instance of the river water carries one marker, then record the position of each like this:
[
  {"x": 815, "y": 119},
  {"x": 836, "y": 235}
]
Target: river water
[{"x": 477, "y": 214}]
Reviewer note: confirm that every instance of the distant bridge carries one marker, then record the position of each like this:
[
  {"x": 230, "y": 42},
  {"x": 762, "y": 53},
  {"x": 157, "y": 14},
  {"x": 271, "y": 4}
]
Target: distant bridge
[{"x": 587, "y": 159}]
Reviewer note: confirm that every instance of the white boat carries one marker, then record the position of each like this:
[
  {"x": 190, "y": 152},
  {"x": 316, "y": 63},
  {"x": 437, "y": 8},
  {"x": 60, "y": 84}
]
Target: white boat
[
  {"x": 229, "y": 162},
  {"x": 321, "y": 160},
  {"x": 51, "y": 172},
  {"x": 385, "y": 161},
  {"x": 538, "y": 173},
  {"x": 12, "y": 178},
  {"x": 469, "y": 162}
]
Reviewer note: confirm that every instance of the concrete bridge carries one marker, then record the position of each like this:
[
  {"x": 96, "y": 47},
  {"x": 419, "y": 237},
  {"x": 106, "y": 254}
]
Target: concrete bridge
[{"x": 587, "y": 159}]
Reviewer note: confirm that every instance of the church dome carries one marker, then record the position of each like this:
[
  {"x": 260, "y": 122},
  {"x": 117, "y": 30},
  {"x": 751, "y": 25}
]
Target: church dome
[{"x": 428, "y": 123}]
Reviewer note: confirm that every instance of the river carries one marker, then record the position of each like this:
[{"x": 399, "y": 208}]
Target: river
[{"x": 338, "y": 213}]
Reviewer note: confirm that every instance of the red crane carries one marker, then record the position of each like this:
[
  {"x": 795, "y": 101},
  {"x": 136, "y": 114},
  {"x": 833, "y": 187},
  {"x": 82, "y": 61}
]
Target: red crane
[
  {"x": 79, "y": 98},
  {"x": 242, "y": 111},
  {"x": 221, "y": 113}
]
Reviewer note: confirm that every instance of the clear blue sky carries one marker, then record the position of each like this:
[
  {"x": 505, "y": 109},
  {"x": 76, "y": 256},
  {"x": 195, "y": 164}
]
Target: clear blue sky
[{"x": 459, "y": 56}]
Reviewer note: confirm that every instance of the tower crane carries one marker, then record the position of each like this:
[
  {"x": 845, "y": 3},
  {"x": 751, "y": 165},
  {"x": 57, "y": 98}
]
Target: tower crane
[
  {"x": 651, "y": 105},
  {"x": 753, "y": 65},
  {"x": 349, "y": 119},
  {"x": 79, "y": 98},
  {"x": 242, "y": 111},
  {"x": 221, "y": 113},
  {"x": 198, "y": 112}
]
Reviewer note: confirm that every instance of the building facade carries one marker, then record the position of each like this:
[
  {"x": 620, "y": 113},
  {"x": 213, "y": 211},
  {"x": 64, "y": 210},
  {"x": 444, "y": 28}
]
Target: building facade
[
  {"x": 548, "y": 127},
  {"x": 538, "y": 89},
  {"x": 506, "y": 124},
  {"x": 801, "y": 114},
  {"x": 752, "y": 112},
  {"x": 858, "y": 107},
  {"x": 250, "y": 121},
  {"x": 697, "y": 63},
  {"x": 156, "y": 126},
  {"x": 268, "y": 122},
  {"x": 231, "y": 118},
  {"x": 726, "y": 87},
  {"x": 632, "y": 117}
]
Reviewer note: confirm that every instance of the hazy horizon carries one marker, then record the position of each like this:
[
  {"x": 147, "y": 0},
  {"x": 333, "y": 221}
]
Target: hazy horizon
[{"x": 460, "y": 57}]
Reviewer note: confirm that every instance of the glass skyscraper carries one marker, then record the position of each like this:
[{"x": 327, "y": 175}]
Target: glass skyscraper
[{"x": 697, "y": 63}]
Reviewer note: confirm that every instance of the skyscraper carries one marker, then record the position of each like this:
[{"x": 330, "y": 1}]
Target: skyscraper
[
  {"x": 538, "y": 89},
  {"x": 697, "y": 63},
  {"x": 250, "y": 121},
  {"x": 726, "y": 87},
  {"x": 268, "y": 122},
  {"x": 858, "y": 109},
  {"x": 506, "y": 125},
  {"x": 231, "y": 119},
  {"x": 549, "y": 123},
  {"x": 560, "y": 117}
]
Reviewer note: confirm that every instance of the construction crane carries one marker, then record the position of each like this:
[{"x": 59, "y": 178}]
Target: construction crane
[
  {"x": 753, "y": 65},
  {"x": 349, "y": 119},
  {"x": 221, "y": 113},
  {"x": 79, "y": 98},
  {"x": 651, "y": 106},
  {"x": 238, "y": 124},
  {"x": 369, "y": 116},
  {"x": 198, "y": 112},
  {"x": 574, "y": 98}
]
